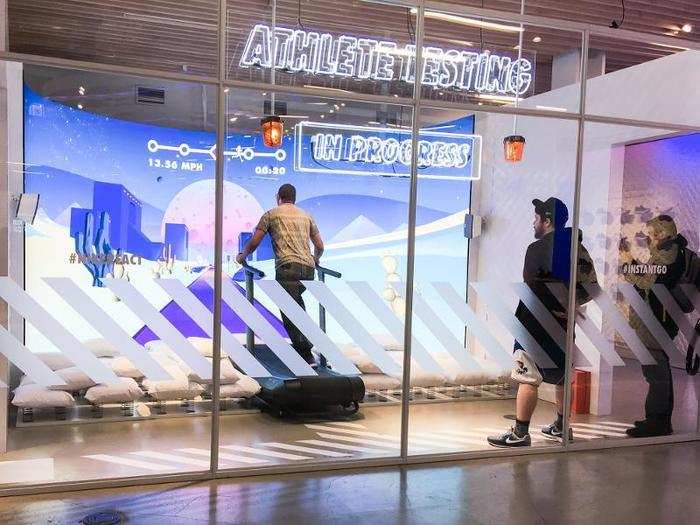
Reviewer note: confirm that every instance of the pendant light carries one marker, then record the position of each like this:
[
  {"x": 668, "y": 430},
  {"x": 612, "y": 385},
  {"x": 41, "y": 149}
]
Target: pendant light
[
  {"x": 514, "y": 145},
  {"x": 272, "y": 125},
  {"x": 272, "y": 131}
]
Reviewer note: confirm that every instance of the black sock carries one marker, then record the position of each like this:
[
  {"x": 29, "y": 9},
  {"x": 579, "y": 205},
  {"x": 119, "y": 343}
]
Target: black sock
[
  {"x": 559, "y": 423},
  {"x": 521, "y": 427}
]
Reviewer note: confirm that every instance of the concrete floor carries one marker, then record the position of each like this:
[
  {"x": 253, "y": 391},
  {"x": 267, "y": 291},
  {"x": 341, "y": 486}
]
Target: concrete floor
[{"x": 641, "y": 485}]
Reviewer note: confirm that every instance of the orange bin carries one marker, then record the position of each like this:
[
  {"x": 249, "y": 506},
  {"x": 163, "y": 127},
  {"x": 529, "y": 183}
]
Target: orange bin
[{"x": 581, "y": 392}]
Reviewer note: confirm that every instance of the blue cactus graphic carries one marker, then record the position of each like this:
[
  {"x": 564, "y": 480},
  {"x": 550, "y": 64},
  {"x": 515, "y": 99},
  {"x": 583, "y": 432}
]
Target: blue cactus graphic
[{"x": 94, "y": 250}]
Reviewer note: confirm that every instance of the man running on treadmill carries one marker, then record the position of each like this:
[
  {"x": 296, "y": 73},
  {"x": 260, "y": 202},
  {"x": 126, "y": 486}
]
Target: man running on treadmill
[{"x": 291, "y": 230}]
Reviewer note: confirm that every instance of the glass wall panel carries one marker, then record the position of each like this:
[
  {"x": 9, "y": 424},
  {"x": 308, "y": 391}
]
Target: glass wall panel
[
  {"x": 159, "y": 35},
  {"x": 492, "y": 265},
  {"x": 361, "y": 47},
  {"x": 639, "y": 211},
  {"x": 107, "y": 343},
  {"x": 644, "y": 80},
  {"x": 324, "y": 384},
  {"x": 491, "y": 62}
]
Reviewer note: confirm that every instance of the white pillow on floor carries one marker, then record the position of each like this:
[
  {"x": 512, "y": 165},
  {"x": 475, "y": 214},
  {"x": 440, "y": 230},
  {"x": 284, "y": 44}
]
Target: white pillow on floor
[
  {"x": 245, "y": 387},
  {"x": 101, "y": 347},
  {"x": 35, "y": 396},
  {"x": 55, "y": 360},
  {"x": 122, "y": 367},
  {"x": 74, "y": 378},
  {"x": 125, "y": 391}
]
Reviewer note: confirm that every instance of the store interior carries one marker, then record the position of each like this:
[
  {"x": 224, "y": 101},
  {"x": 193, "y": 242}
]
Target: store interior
[{"x": 126, "y": 166}]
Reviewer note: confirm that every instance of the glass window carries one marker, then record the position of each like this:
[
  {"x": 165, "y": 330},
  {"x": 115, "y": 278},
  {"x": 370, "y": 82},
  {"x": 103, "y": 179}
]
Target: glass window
[
  {"x": 146, "y": 34},
  {"x": 111, "y": 246},
  {"x": 492, "y": 264},
  {"x": 639, "y": 214},
  {"x": 362, "y": 51},
  {"x": 494, "y": 62},
  {"x": 326, "y": 345}
]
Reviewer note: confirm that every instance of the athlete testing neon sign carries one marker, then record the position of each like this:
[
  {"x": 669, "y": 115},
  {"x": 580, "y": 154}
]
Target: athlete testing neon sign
[
  {"x": 321, "y": 147},
  {"x": 300, "y": 51}
]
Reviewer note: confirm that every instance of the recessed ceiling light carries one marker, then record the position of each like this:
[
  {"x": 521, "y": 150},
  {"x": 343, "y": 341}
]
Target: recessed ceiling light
[
  {"x": 233, "y": 119},
  {"x": 342, "y": 104},
  {"x": 225, "y": 90},
  {"x": 323, "y": 116},
  {"x": 687, "y": 28},
  {"x": 537, "y": 39}
]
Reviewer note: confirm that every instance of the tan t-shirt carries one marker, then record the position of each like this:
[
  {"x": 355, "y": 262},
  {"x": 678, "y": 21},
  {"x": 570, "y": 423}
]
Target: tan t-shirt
[{"x": 291, "y": 229}]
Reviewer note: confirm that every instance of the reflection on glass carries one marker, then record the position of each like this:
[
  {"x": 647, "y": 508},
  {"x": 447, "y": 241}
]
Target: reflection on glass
[
  {"x": 490, "y": 62},
  {"x": 109, "y": 277},
  {"x": 491, "y": 277},
  {"x": 320, "y": 222},
  {"x": 638, "y": 209}
]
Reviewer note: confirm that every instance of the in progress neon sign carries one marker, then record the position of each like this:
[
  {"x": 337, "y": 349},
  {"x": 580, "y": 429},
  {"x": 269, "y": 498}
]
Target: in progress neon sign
[
  {"x": 322, "y": 147},
  {"x": 301, "y": 51}
]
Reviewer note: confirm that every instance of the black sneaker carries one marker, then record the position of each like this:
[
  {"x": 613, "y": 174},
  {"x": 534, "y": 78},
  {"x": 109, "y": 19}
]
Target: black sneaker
[
  {"x": 650, "y": 428},
  {"x": 554, "y": 432},
  {"x": 510, "y": 439}
]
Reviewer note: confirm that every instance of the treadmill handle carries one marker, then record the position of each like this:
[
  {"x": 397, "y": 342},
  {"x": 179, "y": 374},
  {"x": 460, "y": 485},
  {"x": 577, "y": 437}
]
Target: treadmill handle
[
  {"x": 322, "y": 272},
  {"x": 254, "y": 272}
]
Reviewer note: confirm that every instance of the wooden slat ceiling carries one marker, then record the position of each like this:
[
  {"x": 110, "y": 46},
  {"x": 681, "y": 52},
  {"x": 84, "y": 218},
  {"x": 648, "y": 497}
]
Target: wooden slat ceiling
[{"x": 182, "y": 36}]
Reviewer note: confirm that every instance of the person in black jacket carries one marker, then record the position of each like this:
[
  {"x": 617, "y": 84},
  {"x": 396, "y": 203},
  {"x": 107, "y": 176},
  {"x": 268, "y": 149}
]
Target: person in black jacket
[
  {"x": 547, "y": 263},
  {"x": 665, "y": 266}
]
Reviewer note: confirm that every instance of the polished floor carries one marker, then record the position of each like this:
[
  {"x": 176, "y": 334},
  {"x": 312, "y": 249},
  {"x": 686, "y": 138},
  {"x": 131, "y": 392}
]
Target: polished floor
[
  {"x": 124, "y": 449},
  {"x": 640, "y": 485}
]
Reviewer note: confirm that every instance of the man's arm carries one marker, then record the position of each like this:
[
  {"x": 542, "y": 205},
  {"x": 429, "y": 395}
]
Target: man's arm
[
  {"x": 250, "y": 246},
  {"x": 318, "y": 245}
]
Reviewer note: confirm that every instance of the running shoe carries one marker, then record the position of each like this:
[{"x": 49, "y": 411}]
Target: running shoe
[
  {"x": 554, "y": 432},
  {"x": 510, "y": 439}
]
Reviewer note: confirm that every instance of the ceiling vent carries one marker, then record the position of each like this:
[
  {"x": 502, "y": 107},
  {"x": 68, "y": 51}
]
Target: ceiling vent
[{"x": 145, "y": 95}]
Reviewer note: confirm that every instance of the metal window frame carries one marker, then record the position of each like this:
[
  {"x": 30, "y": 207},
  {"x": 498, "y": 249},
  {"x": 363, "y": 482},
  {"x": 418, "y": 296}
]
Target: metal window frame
[{"x": 416, "y": 103}]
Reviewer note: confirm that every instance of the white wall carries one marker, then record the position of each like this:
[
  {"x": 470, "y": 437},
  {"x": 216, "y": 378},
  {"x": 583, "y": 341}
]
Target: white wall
[{"x": 660, "y": 90}]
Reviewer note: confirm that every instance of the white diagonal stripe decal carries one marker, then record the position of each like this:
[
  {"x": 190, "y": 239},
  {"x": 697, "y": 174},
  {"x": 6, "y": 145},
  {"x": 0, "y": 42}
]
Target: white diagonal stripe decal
[
  {"x": 513, "y": 325},
  {"x": 353, "y": 327},
  {"x": 475, "y": 325},
  {"x": 392, "y": 323},
  {"x": 543, "y": 316},
  {"x": 619, "y": 323},
  {"x": 157, "y": 322},
  {"x": 254, "y": 319},
  {"x": 110, "y": 330},
  {"x": 440, "y": 330},
  {"x": 322, "y": 343},
  {"x": 27, "y": 362},
  {"x": 648, "y": 318},
  {"x": 589, "y": 329},
  {"x": 204, "y": 318},
  {"x": 82, "y": 357}
]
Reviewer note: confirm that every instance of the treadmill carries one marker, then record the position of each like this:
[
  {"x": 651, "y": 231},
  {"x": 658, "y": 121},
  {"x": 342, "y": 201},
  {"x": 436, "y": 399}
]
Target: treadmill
[{"x": 285, "y": 394}]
